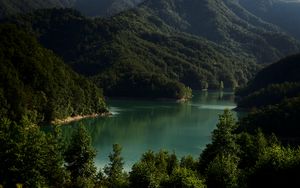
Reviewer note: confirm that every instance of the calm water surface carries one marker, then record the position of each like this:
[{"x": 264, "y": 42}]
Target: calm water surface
[{"x": 142, "y": 125}]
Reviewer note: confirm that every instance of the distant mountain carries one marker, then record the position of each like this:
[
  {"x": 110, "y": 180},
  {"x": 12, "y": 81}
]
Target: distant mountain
[
  {"x": 87, "y": 7},
  {"x": 103, "y": 7},
  {"x": 225, "y": 22},
  {"x": 159, "y": 47},
  {"x": 283, "y": 13},
  {"x": 36, "y": 83},
  {"x": 9, "y": 7}
]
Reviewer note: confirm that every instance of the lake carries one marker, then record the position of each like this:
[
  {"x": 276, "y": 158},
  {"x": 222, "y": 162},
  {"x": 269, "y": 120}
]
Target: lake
[{"x": 142, "y": 125}]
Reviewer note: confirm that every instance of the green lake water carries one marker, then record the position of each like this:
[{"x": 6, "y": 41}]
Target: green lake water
[{"x": 142, "y": 125}]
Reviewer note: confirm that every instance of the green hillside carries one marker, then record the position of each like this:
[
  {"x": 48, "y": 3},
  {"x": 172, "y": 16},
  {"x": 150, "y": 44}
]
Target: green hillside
[
  {"x": 273, "y": 84},
  {"x": 273, "y": 97},
  {"x": 36, "y": 83},
  {"x": 158, "y": 48},
  {"x": 225, "y": 22},
  {"x": 136, "y": 54}
]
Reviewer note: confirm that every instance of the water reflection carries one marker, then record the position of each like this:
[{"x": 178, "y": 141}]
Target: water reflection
[{"x": 142, "y": 125}]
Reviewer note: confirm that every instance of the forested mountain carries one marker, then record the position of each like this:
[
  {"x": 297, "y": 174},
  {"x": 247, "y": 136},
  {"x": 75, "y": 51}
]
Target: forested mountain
[
  {"x": 131, "y": 56},
  {"x": 275, "y": 92},
  {"x": 160, "y": 46},
  {"x": 283, "y": 13},
  {"x": 274, "y": 83},
  {"x": 157, "y": 47},
  {"x": 224, "y": 22},
  {"x": 36, "y": 83}
]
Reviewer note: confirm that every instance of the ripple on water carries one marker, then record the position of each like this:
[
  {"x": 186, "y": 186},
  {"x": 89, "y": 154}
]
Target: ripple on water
[
  {"x": 215, "y": 107},
  {"x": 115, "y": 110}
]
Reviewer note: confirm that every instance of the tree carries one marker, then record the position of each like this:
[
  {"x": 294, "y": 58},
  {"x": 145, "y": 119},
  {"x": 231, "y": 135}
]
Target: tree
[
  {"x": 185, "y": 178},
  {"x": 172, "y": 163},
  {"x": 188, "y": 162},
  {"x": 223, "y": 140},
  {"x": 145, "y": 172},
  {"x": 277, "y": 166},
  {"x": 79, "y": 158},
  {"x": 114, "y": 171},
  {"x": 153, "y": 170},
  {"x": 223, "y": 136},
  {"x": 250, "y": 147},
  {"x": 223, "y": 172},
  {"x": 55, "y": 172},
  {"x": 29, "y": 157}
]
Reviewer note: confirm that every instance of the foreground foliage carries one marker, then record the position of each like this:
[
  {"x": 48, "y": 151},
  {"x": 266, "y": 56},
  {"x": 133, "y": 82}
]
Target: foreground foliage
[
  {"x": 29, "y": 156},
  {"x": 35, "y": 159},
  {"x": 79, "y": 159}
]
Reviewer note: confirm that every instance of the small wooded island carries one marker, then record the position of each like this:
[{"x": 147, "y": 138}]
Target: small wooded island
[{"x": 56, "y": 66}]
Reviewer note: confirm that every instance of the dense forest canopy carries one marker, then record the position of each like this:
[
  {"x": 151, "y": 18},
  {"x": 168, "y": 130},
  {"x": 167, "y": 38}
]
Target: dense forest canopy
[
  {"x": 272, "y": 84},
  {"x": 109, "y": 52},
  {"x": 160, "y": 49},
  {"x": 231, "y": 160},
  {"x": 34, "y": 82},
  {"x": 273, "y": 95},
  {"x": 142, "y": 48}
]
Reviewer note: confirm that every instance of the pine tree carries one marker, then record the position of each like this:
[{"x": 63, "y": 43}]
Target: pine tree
[
  {"x": 114, "y": 171},
  {"x": 223, "y": 172},
  {"x": 29, "y": 157},
  {"x": 223, "y": 140},
  {"x": 79, "y": 158}
]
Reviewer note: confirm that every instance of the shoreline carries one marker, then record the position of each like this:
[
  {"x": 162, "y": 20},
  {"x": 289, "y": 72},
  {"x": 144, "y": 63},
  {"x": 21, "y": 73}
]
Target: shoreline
[
  {"x": 71, "y": 119},
  {"x": 183, "y": 99}
]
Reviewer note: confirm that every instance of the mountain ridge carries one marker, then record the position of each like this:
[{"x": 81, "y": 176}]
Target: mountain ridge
[
  {"x": 122, "y": 31},
  {"x": 91, "y": 8},
  {"x": 274, "y": 83},
  {"x": 285, "y": 14},
  {"x": 216, "y": 21},
  {"x": 162, "y": 43}
]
